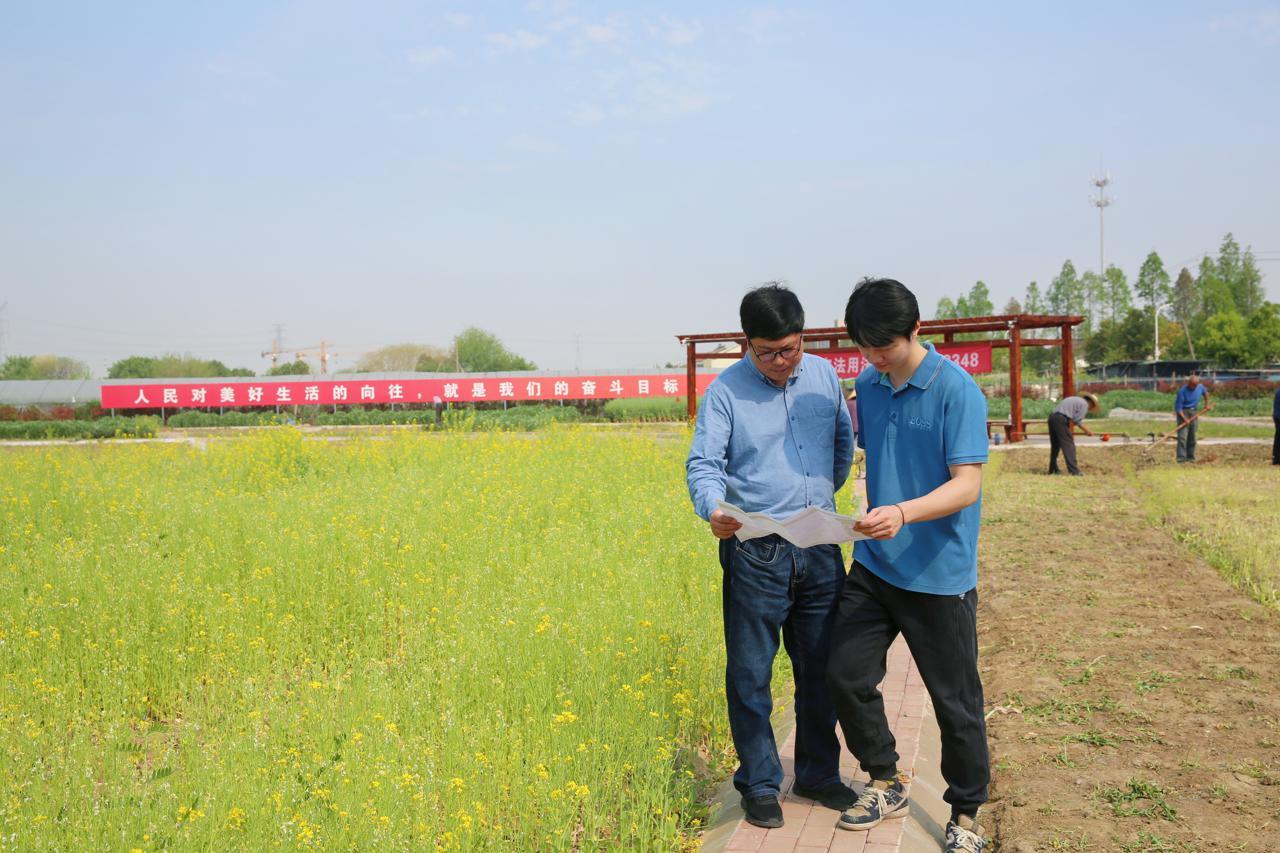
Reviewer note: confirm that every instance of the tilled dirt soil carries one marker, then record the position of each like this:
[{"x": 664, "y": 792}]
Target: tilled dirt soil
[{"x": 1133, "y": 695}]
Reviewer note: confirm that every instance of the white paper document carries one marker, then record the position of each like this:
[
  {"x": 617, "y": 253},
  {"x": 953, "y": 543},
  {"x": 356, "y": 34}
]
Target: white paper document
[{"x": 808, "y": 527}]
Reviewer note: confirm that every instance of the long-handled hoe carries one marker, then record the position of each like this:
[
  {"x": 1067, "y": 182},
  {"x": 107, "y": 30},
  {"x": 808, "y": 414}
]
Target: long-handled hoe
[{"x": 1171, "y": 433}]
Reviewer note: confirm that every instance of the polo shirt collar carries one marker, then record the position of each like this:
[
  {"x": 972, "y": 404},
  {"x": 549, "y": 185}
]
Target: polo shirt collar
[{"x": 924, "y": 374}]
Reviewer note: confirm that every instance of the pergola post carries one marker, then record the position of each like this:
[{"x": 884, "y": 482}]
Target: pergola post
[
  {"x": 1015, "y": 384},
  {"x": 691, "y": 379},
  {"x": 1068, "y": 363}
]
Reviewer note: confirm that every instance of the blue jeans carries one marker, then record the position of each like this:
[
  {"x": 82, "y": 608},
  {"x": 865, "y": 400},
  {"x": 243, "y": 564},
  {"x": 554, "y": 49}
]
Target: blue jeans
[{"x": 769, "y": 586}]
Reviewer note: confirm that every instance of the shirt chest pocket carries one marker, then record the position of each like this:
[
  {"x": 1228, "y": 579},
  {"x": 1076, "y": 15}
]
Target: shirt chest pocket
[{"x": 822, "y": 420}]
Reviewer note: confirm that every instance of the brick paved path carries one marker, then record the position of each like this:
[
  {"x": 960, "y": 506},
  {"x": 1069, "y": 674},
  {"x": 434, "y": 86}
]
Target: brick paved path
[{"x": 811, "y": 827}]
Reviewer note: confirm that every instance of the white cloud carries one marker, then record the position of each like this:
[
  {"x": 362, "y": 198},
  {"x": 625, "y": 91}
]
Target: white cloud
[
  {"x": 551, "y": 7},
  {"x": 677, "y": 32},
  {"x": 767, "y": 26},
  {"x": 600, "y": 33},
  {"x": 459, "y": 20},
  {"x": 587, "y": 114},
  {"x": 657, "y": 87},
  {"x": 429, "y": 55},
  {"x": 516, "y": 40}
]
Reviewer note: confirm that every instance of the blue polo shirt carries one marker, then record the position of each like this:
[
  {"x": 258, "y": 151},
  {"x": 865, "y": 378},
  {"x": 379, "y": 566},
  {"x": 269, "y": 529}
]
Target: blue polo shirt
[
  {"x": 1188, "y": 398},
  {"x": 912, "y": 434}
]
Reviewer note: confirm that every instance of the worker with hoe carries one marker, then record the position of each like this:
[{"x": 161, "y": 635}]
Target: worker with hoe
[
  {"x": 1069, "y": 411},
  {"x": 923, "y": 423},
  {"x": 773, "y": 436},
  {"x": 1185, "y": 405}
]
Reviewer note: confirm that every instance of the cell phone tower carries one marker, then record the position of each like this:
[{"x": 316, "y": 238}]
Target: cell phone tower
[{"x": 1101, "y": 201}]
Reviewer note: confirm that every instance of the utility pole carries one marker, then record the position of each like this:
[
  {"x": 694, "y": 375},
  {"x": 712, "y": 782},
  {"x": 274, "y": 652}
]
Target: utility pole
[{"x": 1101, "y": 201}]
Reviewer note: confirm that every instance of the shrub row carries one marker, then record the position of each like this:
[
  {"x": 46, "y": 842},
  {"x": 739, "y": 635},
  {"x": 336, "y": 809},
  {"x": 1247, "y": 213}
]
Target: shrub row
[
  {"x": 1135, "y": 400},
  {"x": 142, "y": 426},
  {"x": 648, "y": 409},
  {"x": 1243, "y": 389}
]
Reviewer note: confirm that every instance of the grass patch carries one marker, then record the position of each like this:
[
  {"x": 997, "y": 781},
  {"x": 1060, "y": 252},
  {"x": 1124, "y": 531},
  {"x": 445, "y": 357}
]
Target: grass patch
[
  {"x": 1137, "y": 799},
  {"x": 1214, "y": 512}
]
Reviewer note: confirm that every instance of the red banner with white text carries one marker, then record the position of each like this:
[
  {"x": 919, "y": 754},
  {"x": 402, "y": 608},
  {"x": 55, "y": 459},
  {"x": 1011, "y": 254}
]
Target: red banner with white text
[
  {"x": 350, "y": 392},
  {"x": 973, "y": 356}
]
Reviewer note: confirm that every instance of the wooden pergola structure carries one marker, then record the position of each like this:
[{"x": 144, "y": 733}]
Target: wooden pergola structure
[{"x": 1014, "y": 327}]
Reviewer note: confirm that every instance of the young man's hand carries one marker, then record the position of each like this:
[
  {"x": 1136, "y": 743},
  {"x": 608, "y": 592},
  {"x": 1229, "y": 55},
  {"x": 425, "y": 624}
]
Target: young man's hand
[
  {"x": 883, "y": 522},
  {"x": 723, "y": 526}
]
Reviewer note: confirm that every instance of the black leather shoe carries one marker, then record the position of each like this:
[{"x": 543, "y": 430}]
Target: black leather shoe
[
  {"x": 836, "y": 796},
  {"x": 763, "y": 811}
]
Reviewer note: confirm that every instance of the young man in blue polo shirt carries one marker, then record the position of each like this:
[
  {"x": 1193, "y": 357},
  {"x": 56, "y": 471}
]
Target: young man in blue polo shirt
[
  {"x": 922, "y": 422},
  {"x": 773, "y": 436}
]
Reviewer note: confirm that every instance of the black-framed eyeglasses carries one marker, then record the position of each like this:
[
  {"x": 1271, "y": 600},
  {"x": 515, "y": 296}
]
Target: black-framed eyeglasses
[{"x": 786, "y": 353}]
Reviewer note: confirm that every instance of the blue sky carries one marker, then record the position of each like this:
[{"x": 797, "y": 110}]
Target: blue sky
[{"x": 589, "y": 180}]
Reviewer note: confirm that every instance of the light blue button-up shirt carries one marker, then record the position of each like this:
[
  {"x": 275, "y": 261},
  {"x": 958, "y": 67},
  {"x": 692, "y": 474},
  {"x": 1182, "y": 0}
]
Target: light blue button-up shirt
[{"x": 770, "y": 449}]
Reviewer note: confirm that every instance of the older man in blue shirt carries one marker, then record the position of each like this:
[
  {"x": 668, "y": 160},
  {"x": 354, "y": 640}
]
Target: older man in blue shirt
[
  {"x": 1185, "y": 404},
  {"x": 774, "y": 436}
]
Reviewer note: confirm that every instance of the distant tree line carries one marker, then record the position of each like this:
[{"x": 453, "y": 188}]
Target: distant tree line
[
  {"x": 43, "y": 367},
  {"x": 1219, "y": 313},
  {"x": 472, "y": 351}
]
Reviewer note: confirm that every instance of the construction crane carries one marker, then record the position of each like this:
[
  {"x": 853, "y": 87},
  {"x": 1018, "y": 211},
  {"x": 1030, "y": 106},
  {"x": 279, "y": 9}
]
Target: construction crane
[
  {"x": 322, "y": 352},
  {"x": 275, "y": 352}
]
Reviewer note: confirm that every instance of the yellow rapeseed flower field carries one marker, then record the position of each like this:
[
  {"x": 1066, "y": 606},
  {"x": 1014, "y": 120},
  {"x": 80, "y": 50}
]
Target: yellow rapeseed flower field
[{"x": 412, "y": 641}]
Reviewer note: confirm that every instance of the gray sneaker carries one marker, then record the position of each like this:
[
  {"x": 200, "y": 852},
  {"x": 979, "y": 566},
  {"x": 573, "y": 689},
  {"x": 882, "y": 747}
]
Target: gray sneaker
[
  {"x": 964, "y": 835},
  {"x": 879, "y": 801}
]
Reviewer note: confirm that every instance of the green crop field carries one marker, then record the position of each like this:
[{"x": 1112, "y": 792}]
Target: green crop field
[{"x": 420, "y": 641}]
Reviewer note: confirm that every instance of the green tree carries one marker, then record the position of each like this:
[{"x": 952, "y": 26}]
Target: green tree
[
  {"x": 979, "y": 301},
  {"x": 1214, "y": 294},
  {"x": 1093, "y": 288},
  {"x": 946, "y": 309},
  {"x": 1065, "y": 295},
  {"x": 1119, "y": 297},
  {"x": 16, "y": 367},
  {"x": 1013, "y": 306},
  {"x": 1264, "y": 334},
  {"x": 171, "y": 366},
  {"x": 1098, "y": 347},
  {"x": 400, "y": 358},
  {"x": 1034, "y": 302},
  {"x": 1185, "y": 302},
  {"x": 1239, "y": 271},
  {"x": 133, "y": 367},
  {"x": 292, "y": 368},
  {"x": 479, "y": 351},
  {"x": 43, "y": 367},
  {"x": 1225, "y": 339},
  {"x": 1152, "y": 285}
]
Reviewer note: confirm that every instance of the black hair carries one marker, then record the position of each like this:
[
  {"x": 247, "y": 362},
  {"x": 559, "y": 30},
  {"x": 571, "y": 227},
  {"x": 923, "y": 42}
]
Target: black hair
[
  {"x": 880, "y": 310},
  {"x": 770, "y": 312}
]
